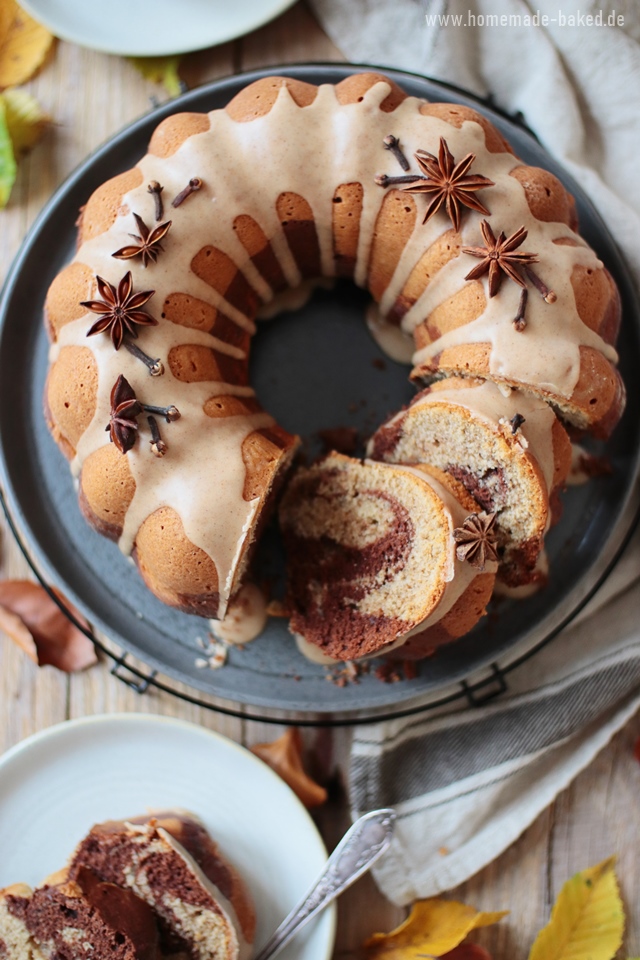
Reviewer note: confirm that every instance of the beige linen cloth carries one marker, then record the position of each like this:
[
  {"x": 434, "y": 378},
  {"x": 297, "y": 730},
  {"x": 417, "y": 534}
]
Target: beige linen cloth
[{"x": 472, "y": 779}]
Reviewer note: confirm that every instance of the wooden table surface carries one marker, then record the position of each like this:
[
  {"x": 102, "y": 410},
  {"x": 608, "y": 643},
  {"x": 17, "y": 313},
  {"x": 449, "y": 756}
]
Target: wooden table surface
[{"x": 91, "y": 96}]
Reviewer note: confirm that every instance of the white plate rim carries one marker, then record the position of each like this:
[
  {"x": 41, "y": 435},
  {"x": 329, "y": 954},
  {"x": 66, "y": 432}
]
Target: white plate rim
[
  {"x": 67, "y": 727},
  {"x": 144, "y": 46}
]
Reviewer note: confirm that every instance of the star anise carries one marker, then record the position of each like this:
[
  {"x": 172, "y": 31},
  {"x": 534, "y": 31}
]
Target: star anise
[
  {"x": 148, "y": 244},
  {"x": 497, "y": 257},
  {"x": 119, "y": 310},
  {"x": 477, "y": 540},
  {"x": 449, "y": 183},
  {"x": 125, "y": 410}
]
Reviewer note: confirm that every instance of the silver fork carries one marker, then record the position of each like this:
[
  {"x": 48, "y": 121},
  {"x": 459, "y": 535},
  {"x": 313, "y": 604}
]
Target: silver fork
[{"x": 356, "y": 853}]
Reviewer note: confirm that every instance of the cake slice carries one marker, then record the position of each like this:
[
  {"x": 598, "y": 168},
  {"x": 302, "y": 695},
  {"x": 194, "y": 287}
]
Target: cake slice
[
  {"x": 16, "y": 943},
  {"x": 373, "y": 565},
  {"x": 510, "y": 452},
  {"x": 171, "y": 863},
  {"x": 70, "y": 920}
]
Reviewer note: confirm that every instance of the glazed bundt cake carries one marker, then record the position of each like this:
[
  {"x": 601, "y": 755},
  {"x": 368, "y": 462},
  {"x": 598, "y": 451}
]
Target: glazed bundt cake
[
  {"x": 373, "y": 558},
  {"x": 470, "y": 255},
  {"x": 143, "y": 889}
]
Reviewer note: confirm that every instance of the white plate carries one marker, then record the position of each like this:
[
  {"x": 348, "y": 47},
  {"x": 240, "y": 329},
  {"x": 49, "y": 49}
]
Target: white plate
[
  {"x": 152, "y": 28},
  {"x": 56, "y": 784}
]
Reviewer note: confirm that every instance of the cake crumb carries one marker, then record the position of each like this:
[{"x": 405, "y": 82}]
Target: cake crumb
[
  {"x": 215, "y": 653},
  {"x": 410, "y": 669},
  {"x": 388, "y": 672},
  {"x": 393, "y": 671},
  {"x": 444, "y": 851},
  {"x": 277, "y": 608},
  {"x": 344, "y": 674},
  {"x": 379, "y": 363}
]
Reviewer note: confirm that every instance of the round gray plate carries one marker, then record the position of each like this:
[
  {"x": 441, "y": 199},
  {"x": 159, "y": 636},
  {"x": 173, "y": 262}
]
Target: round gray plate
[{"x": 312, "y": 369}]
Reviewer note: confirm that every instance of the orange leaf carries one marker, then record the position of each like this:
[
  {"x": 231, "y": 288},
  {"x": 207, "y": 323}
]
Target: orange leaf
[
  {"x": 24, "y": 45},
  {"x": 30, "y": 617},
  {"x": 284, "y": 755}
]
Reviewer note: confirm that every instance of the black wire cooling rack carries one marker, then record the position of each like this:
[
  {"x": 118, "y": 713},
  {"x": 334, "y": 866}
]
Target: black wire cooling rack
[{"x": 482, "y": 684}]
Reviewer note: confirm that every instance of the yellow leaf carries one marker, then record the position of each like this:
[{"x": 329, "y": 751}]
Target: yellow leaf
[
  {"x": 432, "y": 928},
  {"x": 25, "y": 118},
  {"x": 160, "y": 70},
  {"x": 24, "y": 46},
  {"x": 8, "y": 167},
  {"x": 587, "y": 920},
  {"x": 6, "y": 17}
]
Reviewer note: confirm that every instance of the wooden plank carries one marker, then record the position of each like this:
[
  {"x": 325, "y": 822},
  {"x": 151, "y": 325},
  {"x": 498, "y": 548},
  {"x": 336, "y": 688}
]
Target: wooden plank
[
  {"x": 599, "y": 815},
  {"x": 31, "y": 698},
  {"x": 295, "y": 37},
  {"x": 98, "y": 691}
]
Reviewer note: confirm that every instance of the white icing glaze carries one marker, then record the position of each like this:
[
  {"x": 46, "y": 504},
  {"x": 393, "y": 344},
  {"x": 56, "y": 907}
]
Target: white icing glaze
[
  {"x": 391, "y": 339},
  {"x": 547, "y": 352},
  {"x": 245, "y": 618},
  {"x": 461, "y": 573},
  {"x": 293, "y": 298},
  {"x": 312, "y": 652},
  {"x": 245, "y": 167}
]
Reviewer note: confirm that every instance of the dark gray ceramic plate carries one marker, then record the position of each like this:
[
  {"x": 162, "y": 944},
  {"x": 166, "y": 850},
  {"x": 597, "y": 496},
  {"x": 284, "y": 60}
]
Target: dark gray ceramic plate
[{"x": 313, "y": 369}]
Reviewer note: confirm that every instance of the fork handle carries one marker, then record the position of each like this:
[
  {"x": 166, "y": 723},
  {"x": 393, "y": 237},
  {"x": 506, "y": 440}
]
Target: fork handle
[{"x": 356, "y": 853}]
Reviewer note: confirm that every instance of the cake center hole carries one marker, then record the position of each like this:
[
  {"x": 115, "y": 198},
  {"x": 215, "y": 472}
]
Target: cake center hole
[{"x": 319, "y": 369}]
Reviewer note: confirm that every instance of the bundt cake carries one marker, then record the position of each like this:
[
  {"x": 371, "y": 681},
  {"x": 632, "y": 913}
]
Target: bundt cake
[
  {"x": 143, "y": 889},
  {"x": 374, "y": 563},
  {"x": 470, "y": 255}
]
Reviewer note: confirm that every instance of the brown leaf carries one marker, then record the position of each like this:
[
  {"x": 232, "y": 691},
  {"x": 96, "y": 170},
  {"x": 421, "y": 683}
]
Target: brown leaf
[
  {"x": 23, "y": 47},
  {"x": 31, "y": 618},
  {"x": 284, "y": 755},
  {"x": 467, "y": 951}
]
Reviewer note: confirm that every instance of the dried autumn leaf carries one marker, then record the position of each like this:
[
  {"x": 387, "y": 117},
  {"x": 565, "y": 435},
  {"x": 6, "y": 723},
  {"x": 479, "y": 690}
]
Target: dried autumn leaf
[
  {"x": 31, "y": 618},
  {"x": 26, "y": 120},
  {"x": 6, "y": 17},
  {"x": 23, "y": 48},
  {"x": 8, "y": 167},
  {"x": 587, "y": 920},
  {"x": 284, "y": 756},
  {"x": 467, "y": 951},
  {"x": 433, "y": 928},
  {"x": 160, "y": 70}
]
